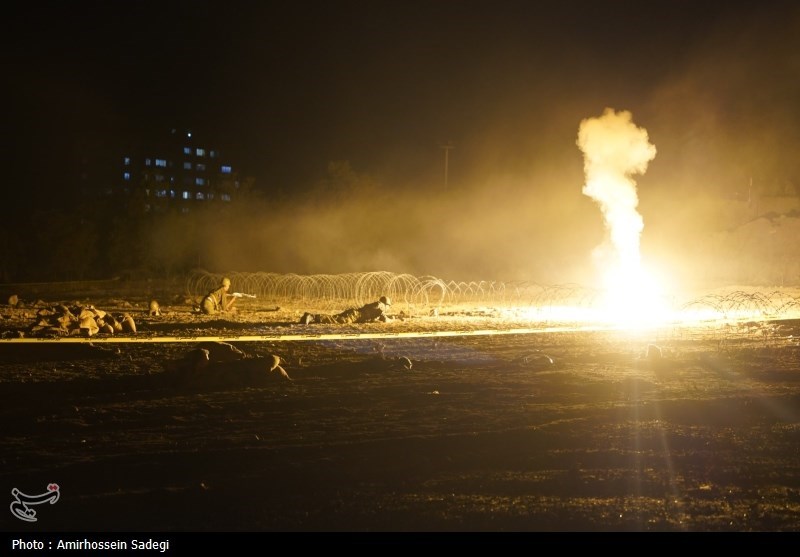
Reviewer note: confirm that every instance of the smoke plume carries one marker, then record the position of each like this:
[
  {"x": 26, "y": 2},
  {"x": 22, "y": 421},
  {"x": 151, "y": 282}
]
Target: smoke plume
[{"x": 614, "y": 150}]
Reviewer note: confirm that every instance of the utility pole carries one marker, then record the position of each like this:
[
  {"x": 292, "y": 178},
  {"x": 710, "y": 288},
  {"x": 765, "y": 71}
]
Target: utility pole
[{"x": 447, "y": 148}]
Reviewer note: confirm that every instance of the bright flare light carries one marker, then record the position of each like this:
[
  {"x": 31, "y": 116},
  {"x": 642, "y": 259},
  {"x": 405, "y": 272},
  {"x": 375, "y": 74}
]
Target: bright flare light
[
  {"x": 614, "y": 150},
  {"x": 634, "y": 297}
]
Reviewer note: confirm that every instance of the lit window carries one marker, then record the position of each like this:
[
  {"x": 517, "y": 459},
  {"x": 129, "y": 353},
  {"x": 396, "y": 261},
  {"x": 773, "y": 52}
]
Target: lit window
[
  {"x": 186, "y": 195},
  {"x": 212, "y": 153},
  {"x": 211, "y": 195},
  {"x": 225, "y": 197},
  {"x": 147, "y": 162},
  {"x": 200, "y": 152},
  {"x": 126, "y": 175},
  {"x": 187, "y": 150},
  {"x": 200, "y": 181},
  {"x": 127, "y": 161},
  {"x": 161, "y": 193},
  {"x": 199, "y": 196},
  {"x": 172, "y": 193},
  {"x": 201, "y": 167},
  {"x": 187, "y": 166},
  {"x": 161, "y": 162},
  {"x": 225, "y": 169}
]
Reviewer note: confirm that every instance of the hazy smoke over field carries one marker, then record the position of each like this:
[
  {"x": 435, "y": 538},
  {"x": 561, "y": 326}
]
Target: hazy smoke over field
[
  {"x": 614, "y": 150},
  {"x": 524, "y": 229},
  {"x": 722, "y": 113}
]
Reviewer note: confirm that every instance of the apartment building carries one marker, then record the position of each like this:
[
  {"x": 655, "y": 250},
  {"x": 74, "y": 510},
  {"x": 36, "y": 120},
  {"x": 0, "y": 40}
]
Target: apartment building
[{"x": 176, "y": 172}]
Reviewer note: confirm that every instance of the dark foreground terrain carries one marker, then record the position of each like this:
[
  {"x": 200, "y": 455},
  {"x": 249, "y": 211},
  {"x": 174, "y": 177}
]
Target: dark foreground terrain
[{"x": 548, "y": 431}]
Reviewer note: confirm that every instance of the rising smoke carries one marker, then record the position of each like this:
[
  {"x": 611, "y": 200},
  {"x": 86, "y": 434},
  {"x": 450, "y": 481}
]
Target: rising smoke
[{"x": 614, "y": 150}]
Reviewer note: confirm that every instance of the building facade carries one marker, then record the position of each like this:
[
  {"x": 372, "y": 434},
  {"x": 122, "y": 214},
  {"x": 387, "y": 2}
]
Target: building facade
[{"x": 175, "y": 173}]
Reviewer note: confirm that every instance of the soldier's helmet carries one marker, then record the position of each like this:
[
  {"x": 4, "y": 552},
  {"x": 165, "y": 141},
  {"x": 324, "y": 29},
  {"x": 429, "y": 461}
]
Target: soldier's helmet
[{"x": 386, "y": 301}]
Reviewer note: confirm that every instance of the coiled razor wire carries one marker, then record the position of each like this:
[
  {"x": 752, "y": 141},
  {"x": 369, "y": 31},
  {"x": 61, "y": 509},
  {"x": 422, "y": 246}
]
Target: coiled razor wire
[
  {"x": 414, "y": 294},
  {"x": 326, "y": 291},
  {"x": 323, "y": 291},
  {"x": 738, "y": 303}
]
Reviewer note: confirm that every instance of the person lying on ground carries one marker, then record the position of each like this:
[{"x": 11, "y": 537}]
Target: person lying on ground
[{"x": 375, "y": 311}]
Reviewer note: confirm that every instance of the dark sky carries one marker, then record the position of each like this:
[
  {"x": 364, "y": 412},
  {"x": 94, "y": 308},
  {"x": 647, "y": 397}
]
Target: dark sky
[{"x": 286, "y": 87}]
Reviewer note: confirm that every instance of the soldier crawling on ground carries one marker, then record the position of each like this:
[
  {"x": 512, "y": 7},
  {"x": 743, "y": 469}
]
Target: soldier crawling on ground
[{"x": 375, "y": 311}]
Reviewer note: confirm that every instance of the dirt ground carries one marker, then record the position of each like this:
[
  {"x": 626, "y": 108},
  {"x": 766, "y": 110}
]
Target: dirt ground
[{"x": 559, "y": 431}]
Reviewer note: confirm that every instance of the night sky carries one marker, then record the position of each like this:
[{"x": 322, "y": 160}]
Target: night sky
[{"x": 286, "y": 88}]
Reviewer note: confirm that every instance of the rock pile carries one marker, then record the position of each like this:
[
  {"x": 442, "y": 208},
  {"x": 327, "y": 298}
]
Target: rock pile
[{"x": 84, "y": 321}]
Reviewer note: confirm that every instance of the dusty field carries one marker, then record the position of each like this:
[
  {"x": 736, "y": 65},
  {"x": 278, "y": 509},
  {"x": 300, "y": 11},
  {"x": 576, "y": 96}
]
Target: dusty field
[{"x": 549, "y": 431}]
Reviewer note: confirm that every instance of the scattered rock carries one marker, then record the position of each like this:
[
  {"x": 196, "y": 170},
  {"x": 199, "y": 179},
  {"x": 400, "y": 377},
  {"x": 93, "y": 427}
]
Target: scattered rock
[
  {"x": 128, "y": 324},
  {"x": 536, "y": 360},
  {"x": 197, "y": 359},
  {"x": 219, "y": 364},
  {"x": 275, "y": 366},
  {"x": 401, "y": 363},
  {"x": 222, "y": 352}
]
